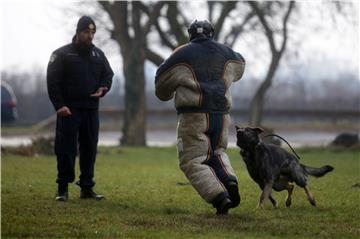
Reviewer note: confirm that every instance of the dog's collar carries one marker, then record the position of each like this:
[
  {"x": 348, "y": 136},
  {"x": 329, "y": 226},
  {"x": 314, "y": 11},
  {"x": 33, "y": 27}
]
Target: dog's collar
[{"x": 251, "y": 148}]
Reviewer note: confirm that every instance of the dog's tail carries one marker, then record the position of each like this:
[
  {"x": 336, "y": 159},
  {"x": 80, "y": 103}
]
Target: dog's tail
[{"x": 318, "y": 172}]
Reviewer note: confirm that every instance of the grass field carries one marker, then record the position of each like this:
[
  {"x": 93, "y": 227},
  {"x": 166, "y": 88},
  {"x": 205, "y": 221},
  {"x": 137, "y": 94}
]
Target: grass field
[{"x": 147, "y": 197}]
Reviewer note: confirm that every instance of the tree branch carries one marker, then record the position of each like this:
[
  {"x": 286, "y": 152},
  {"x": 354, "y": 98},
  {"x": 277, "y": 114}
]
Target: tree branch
[
  {"x": 153, "y": 16},
  {"x": 136, "y": 16},
  {"x": 211, "y": 5},
  {"x": 119, "y": 20},
  {"x": 237, "y": 30},
  {"x": 284, "y": 24},
  {"x": 164, "y": 39},
  {"x": 153, "y": 57},
  {"x": 175, "y": 26},
  {"x": 268, "y": 32},
  {"x": 228, "y": 6}
]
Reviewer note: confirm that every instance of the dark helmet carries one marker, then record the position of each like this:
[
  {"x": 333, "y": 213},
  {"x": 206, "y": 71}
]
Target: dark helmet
[{"x": 200, "y": 28}]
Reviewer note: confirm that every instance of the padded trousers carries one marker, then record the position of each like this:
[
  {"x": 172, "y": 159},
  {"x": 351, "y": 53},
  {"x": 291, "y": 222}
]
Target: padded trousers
[{"x": 201, "y": 143}]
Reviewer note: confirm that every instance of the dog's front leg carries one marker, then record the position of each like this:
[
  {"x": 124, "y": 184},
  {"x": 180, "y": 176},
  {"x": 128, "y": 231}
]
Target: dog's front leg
[
  {"x": 290, "y": 188},
  {"x": 265, "y": 194}
]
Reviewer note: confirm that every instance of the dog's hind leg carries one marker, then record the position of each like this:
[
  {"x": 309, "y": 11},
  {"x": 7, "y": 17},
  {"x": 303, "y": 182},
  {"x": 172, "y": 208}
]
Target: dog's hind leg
[
  {"x": 273, "y": 201},
  {"x": 265, "y": 194},
  {"x": 284, "y": 184},
  {"x": 309, "y": 195},
  {"x": 290, "y": 188}
]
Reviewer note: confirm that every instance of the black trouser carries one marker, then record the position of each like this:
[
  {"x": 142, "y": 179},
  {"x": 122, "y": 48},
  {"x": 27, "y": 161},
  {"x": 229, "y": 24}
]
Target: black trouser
[
  {"x": 214, "y": 132},
  {"x": 81, "y": 127}
]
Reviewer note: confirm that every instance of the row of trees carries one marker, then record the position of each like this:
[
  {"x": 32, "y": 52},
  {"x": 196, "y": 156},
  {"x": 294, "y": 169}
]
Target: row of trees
[
  {"x": 143, "y": 29},
  {"x": 131, "y": 32},
  {"x": 340, "y": 93},
  {"x": 134, "y": 21}
]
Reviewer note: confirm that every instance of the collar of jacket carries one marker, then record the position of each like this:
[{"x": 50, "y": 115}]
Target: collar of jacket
[{"x": 201, "y": 38}]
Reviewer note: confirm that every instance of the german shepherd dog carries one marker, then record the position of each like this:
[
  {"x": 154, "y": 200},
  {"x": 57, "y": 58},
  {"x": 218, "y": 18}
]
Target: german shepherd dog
[{"x": 272, "y": 167}]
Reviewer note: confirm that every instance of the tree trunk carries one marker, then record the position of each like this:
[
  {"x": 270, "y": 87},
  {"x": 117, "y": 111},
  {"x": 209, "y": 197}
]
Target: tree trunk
[
  {"x": 133, "y": 51},
  {"x": 134, "y": 127},
  {"x": 257, "y": 103}
]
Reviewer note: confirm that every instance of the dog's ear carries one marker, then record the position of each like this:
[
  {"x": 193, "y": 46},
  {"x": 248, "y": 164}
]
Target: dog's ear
[
  {"x": 237, "y": 127},
  {"x": 258, "y": 130}
]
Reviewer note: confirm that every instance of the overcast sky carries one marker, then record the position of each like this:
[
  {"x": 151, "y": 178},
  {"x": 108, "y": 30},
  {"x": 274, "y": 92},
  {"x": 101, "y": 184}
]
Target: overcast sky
[{"x": 31, "y": 30}]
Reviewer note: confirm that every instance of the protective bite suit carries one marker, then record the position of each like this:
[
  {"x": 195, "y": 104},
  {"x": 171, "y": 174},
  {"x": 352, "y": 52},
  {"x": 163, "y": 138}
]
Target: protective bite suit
[{"x": 198, "y": 75}]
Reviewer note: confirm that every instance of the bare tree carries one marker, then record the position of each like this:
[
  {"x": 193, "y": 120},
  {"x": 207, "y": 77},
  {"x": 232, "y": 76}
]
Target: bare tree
[
  {"x": 251, "y": 14},
  {"x": 261, "y": 11},
  {"x": 174, "y": 32},
  {"x": 132, "y": 23}
]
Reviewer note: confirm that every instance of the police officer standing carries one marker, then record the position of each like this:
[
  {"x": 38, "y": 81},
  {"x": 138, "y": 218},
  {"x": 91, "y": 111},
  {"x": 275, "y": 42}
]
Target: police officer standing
[
  {"x": 78, "y": 75},
  {"x": 198, "y": 75}
]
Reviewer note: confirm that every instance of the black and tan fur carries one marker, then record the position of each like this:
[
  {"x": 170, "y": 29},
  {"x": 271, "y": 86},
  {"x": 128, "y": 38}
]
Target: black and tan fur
[{"x": 272, "y": 167}]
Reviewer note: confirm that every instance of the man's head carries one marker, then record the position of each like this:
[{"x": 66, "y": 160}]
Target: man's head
[
  {"x": 200, "y": 29},
  {"x": 85, "y": 30}
]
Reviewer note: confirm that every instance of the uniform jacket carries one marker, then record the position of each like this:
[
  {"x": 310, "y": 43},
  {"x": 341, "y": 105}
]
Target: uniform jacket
[
  {"x": 73, "y": 75},
  {"x": 199, "y": 74}
]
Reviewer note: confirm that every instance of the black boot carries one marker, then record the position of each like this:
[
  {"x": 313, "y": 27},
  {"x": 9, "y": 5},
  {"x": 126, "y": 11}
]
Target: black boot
[
  {"x": 234, "y": 194},
  {"x": 223, "y": 207},
  {"x": 62, "y": 193},
  {"x": 88, "y": 193}
]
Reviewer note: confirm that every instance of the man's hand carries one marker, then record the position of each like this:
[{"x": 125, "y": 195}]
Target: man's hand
[
  {"x": 63, "y": 111},
  {"x": 100, "y": 92}
]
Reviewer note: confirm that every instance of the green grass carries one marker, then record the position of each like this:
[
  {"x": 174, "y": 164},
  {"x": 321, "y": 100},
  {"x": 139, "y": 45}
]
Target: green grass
[{"x": 144, "y": 200}]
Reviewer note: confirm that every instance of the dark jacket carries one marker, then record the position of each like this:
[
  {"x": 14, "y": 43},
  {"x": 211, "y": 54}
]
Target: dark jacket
[
  {"x": 74, "y": 74},
  {"x": 199, "y": 74}
]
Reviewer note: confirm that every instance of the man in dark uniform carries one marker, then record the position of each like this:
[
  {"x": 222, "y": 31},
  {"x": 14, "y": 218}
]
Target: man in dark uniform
[
  {"x": 78, "y": 75},
  {"x": 199, "y": 75}
]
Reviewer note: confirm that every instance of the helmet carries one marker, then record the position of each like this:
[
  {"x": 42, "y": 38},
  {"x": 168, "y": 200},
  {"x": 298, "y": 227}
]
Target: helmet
[{"x": 200, "y": 28}]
